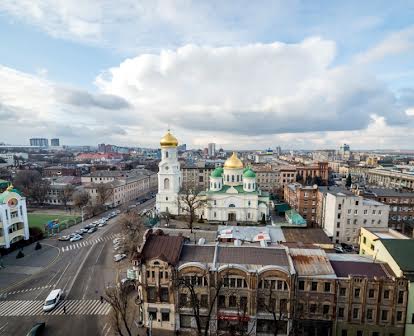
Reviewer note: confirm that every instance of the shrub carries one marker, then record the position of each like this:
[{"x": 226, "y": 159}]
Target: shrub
[
  {"x": 38, "y": 246},
  {"x": 20, "y": 255}
]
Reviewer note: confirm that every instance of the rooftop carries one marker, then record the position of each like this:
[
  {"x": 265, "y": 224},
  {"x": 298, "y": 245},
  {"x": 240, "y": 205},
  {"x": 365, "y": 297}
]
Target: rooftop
[
  {"x": 158, "y": 245},
  {"x": 197, "y": 253},
  {"x": 306, "y": 235},
  {"x": 252, "y": 255},
  {"x": 344, "y": 269},
  {"x": 311, "y": 262},
  {"x": 385, "y": 233},
  {"x": 382, "y": 192},
  {"x": 402, "y": 250}
]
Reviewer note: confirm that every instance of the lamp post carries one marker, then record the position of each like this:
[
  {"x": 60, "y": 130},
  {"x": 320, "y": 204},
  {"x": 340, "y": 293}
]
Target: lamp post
[{"x": 82, "y": 211}]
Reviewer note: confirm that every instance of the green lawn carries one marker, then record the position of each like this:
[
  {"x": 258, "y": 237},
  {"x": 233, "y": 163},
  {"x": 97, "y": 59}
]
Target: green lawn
[{"x": 39, "y": 220}]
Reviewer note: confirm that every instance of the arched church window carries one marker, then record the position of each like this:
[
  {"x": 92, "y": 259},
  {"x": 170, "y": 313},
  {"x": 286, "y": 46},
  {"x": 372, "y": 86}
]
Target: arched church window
[
  {"x": 228, "y": 179},
  {"x": 237, "y": 178},
  {"x": 166, "y": 183},
  {"x": 215, "y": 185},
  {"x": 166, "y": 154},
  {"x": 232, "y": 178},
  {"x": 232, "y": 205},
  {"x": 249, "y": 186}
]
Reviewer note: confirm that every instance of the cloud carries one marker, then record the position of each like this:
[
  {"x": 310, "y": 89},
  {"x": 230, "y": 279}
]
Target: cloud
[{"x": 252, "y": 89}]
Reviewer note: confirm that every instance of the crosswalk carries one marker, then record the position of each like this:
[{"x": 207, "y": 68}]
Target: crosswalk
[
  {"x": 72, "y": 307},
  {"x": 80, "y": 244},
  {"x": 5, "y": 295}
]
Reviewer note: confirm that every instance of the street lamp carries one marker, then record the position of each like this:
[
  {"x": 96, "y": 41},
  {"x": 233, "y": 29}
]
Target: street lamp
[{"x": 82, "y": 211}]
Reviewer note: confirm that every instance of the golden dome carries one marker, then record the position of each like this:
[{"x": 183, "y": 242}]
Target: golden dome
[
  {"x": 169, "y": 140},
  {"x": 233, "y": 162}
]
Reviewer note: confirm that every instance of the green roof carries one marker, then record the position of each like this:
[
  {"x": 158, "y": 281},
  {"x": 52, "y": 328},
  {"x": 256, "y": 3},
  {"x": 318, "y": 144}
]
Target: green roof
[
  {"x": 294, "y": 217},
  {"x": 402, "y": 251},
  {"x": 249, "y": 173},
  {"x": 239, "y": 189},
  {"x": 217, "y": 172}
]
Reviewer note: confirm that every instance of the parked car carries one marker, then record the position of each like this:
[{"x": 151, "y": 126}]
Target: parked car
[
  {"x": 76, "y": 238},
  {"x": 52, "y": 300},
  {"x": 92, "y": 230},
  {"x": 339, "y": 249},
  {"x": 64, "y": 238},
  {"x": 85, "y": 229},
  {"x": 79, "y": 232},
  {"x": 102, "y": 224},
  {"x": 119, "y": 257},
  {"x": 37, "y": 329},
  {"x": 118, "y": 211}
]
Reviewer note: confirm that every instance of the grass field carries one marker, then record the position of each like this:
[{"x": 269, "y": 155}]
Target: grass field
[{"x": 39, "y": 220}]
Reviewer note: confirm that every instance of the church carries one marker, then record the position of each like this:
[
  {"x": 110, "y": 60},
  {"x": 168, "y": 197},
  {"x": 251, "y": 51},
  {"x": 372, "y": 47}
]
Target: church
[{"x": 233, "y": 195}]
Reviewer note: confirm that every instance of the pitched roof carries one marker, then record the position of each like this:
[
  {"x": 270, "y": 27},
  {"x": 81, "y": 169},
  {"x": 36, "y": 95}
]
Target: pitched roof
[
  {"x": 402, "y": 251},
  {"x": 306, "y": 235},
  {"x": 162, "y": 246},
  {"x": 312, "y": 262},
  {"x": 252, "y": 255},
  {"x": 344, "y": 269},
  {"x": 203, "y": 254}
]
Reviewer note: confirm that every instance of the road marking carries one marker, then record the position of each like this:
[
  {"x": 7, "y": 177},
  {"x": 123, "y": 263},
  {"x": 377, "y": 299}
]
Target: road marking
[
  {"x": 77, "y": 245},
  {"x": 5, "y": 295},
  {"x": 35, "y": 308}
]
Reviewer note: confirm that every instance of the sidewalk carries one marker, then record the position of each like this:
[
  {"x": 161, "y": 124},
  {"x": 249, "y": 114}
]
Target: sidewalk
[{"x": 17, "y": 270}]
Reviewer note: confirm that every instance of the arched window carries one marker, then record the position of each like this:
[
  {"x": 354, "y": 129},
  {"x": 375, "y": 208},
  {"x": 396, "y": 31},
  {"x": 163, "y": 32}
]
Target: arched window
[
  {"x": 166, "y": 154},
  {"x": 249, "y": 186},
  {"x": 232, "y": 178},
  {"x": 215, "y": 185},
  {"x": 232, "y": 205},
  {"x": 237, "y": 178},
  {"x": 166, "y": 183},
  {"x": 228, "y": 178}
]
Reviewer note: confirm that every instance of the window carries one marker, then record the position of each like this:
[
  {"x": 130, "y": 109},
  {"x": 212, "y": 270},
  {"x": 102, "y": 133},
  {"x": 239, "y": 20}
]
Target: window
[
  {"x": 153, "y": 315},
  {"x": 166, "y": 183},
  {"x": 399, "y": 315},
  {"x": 152, "y": 294},
  {"x": 372, "y": 247},
  {"x": 327, "y": 287},
  {"x": 359, "y": 333},
  {"x": 348, "y": 221},
  {"x": 338, "y": 225},
  {"x": 148, "y": 274},
  {"x": 215, "y": 214},
  {"x": 386, "y": 294},
  {"x": 283, "y": 305},
  {"x": 400, "y": 296},
  {"x": 222, "y": 301},
  {"x": 369, "y": 314},
  {"x": 341, "y": 312},
  {"x": 204, "y": 300},
  {"x": 344, "y": 332},
  {"x": 164, "y": 294},
  {"x": 165, "y": 317},
  {"x": 325, "y": 309},
  {"x": 183, "y": 299},
  {"x": 384, "y": 315},
  {"x": 364, "y": 240},
  {"x": 314, "y": 286},
  {"x": 342, "y": 291},
  {"x": 357, "y": 291},
  {"x": 166, "y": 154},
  {"x": 301, "y": 285},
  {"x": 339, "y": 206},
  {"x": 365, "y": 212},
  {"x": 243, "y": 302},
  {"x": 339, "y": 216},
  {"x": 373, "y": 212},
  {"x": 356, "y": 202},
  {"x": 355, "y": 212},
  {"x": 232, "y": 301},
  {"x": 371, "y": 293},
  {"x": 355, "y": 313},
  {"x": 312, "y": 308}
]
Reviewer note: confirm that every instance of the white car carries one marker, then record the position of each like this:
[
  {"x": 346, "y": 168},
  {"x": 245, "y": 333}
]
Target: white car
[
  {"x": 52, "y": 300},
  {"x": 76, "y": 238},
  {"x": 119, "y": 257}
]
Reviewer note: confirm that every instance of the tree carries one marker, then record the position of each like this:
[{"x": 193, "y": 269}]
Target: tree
[
  {"x": 66, "y": 194},
  {"x": 269, "y": 304},
  {"x": 348, "y": 182},
  {"x": 104, "y": 192},
  {"x": 132, "y": 225},
  {"x": 80, "y": 198},
  {"x": 189, "y": 201},
  {"x": 121, "y": 316},
  {"x": 166, "y": 216},
  {"x": 32, "y": 185}
]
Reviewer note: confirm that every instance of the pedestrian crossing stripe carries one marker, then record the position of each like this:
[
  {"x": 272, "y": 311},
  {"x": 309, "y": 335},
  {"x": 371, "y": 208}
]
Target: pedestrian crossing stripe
[
  {"x": 74, "y": 246},
  {"x": 71, "y": 307},
  {"x": 5, "y": 295}
]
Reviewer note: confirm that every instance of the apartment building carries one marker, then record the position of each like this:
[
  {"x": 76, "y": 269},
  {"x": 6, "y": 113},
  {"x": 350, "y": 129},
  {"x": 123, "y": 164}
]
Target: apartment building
[
  {"x": 345, "y": 213},
  {"x": 267, "y": 177},
  {"x": 197, "y": 175},
  {"x": 390, "y": 178},
  {"x": 401, "y": 215},
  {"x": 370, "y": 239},
  {"x": 243, "y": 285},
  {"x": 304, "y": 199},
  {"x": 316, "y": 171},
  {"x": 287, "y": 175},
  {"x": 14, "y": 225}
]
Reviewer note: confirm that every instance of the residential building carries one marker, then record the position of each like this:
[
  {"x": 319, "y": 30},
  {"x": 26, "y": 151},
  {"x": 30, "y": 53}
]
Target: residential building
[
  {"x": 14, "y": 225},
  {"x": 345, "y": 213},
  {"x": 54, "y": 142},
  {"x": 315, "y": 173},
  {"x": 370, "y": 298},
  {"x": 211, "y": 149},
  {"x": 14, "y": 158},
  {"x": 345, "y": 152},
  {"x": 197, "y": 175},
  {"x": 40, "y": 142},
  {"x": 98, "y": 157},
  {"x": 401, "y": 215},
  {"x": 67, "y": 170},
  {"x": 56, "y": 193},
  {"x": 287, "y": 175},
  {"x": 370, "y": 237},
  {"x": 267, "y": 177},
  {"x": 304, "y": 200},
  {"x": 390, "y": 178}
]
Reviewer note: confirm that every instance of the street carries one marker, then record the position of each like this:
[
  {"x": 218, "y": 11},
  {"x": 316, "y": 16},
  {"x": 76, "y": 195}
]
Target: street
[{"x": 82, "y": 269}]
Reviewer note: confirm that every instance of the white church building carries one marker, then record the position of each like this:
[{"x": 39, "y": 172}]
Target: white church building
[{"x": 233, "y": 195}]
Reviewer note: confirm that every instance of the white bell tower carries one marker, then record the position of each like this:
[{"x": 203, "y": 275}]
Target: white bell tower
[{"x": 169, "y": 176}]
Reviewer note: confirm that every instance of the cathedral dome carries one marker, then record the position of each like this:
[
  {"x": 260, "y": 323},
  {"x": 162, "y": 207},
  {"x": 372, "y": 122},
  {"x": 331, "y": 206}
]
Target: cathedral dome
[
  {"x": 217, "y": 172},
  {"x": 249, "y": 173},
  {"x": 169, "y": 140},
  {"x": 233, "y": 162}
]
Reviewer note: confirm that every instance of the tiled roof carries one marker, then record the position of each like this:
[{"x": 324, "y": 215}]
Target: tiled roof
[
  {"x": 164, "y": 247},
  {"x": 344, "y": 269},
  {"x": 306, "y": 235},
  {"x": 402, "y": 251},
  {"x": 311, "y": 262},
  {"x": 252, "y": 255},
  {"x": 203, "y": 254}
]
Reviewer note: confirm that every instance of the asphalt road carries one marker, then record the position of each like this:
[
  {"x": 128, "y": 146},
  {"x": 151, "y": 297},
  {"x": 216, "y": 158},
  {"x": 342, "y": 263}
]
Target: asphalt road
[{"x": 83, "y": 269}]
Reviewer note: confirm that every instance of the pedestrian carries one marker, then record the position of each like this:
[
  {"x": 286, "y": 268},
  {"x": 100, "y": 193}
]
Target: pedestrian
[
  {"x": 102, "y": 299},
  {"x": 64, "y": 309}
]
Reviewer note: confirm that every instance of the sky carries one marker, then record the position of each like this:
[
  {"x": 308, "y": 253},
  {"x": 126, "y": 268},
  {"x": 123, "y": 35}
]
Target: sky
[{"x": 243, "y": 74}]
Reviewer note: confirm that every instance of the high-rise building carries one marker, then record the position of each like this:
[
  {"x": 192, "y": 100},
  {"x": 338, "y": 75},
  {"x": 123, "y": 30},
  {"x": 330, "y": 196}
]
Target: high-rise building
[
  {"x": 41, "y": 142},
  {"x": 101, "y": 148},
  {"x": 54, "y": 142},
  {"x": 212, "y": 149}
]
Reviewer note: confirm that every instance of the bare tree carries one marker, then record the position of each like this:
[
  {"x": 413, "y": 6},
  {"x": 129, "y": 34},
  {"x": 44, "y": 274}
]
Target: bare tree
[
  {"x": 122, "y": 313},
  {"x": 268, "y": 303},
  {"x": 32, "y": 185},
  {"x": 189, "y": 201},
  {"x": 104, "y": 192},
  {"x": 66, "y": 194},
  {"x": 80, "y": 198},
  {"x": 166, "y": 216},
  {"x": 132, "y": 225}
]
